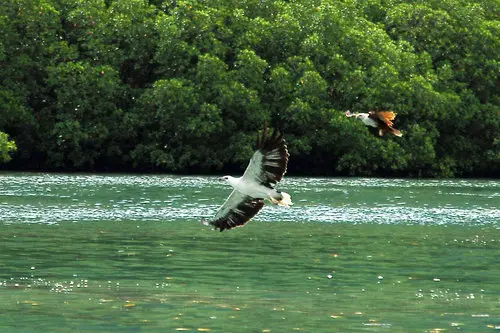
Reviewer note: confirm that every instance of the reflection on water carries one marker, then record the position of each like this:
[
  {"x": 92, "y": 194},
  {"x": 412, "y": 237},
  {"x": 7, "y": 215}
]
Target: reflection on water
[
  {"x": 52, "y": 198},
  {"x": 376, "y": 255}
]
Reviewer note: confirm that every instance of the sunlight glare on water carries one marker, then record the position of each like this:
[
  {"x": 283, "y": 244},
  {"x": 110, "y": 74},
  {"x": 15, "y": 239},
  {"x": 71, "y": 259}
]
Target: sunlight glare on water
[{"x": 53, "y": 198}]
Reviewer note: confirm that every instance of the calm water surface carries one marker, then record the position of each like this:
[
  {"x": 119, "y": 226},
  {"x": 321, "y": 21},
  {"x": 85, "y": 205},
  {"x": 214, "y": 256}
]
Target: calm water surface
[{"x": 122, "y": 253}]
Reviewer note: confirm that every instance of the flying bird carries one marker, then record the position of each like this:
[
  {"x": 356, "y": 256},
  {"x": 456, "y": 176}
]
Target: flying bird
[
  {"x": 378, "y": 119},
  {"x": 265, "y": 169}
]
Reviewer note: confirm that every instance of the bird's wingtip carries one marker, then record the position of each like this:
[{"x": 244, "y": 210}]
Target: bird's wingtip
[{"x": 214, "y": 226}]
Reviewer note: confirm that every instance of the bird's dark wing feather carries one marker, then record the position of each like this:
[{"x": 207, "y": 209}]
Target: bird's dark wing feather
[
  {"x": 269, "y": 162},
  {"x": 236, "y": 211}
]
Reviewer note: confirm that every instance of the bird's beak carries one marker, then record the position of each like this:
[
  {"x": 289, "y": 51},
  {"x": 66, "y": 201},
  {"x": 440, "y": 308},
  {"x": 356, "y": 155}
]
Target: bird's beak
[{"x": 221, "y": 178}]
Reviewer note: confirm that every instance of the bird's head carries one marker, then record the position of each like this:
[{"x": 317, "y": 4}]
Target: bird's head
[
  {"x": 229, "y": 179},
  {"x": 358, "y": 115}
]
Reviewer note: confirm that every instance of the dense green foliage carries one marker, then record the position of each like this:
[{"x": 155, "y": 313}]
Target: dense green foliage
[{"x": 183, "y": 86}]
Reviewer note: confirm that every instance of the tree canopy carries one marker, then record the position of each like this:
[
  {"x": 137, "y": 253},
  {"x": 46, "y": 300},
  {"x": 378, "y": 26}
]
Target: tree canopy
[{"x": 183, "y": 85}]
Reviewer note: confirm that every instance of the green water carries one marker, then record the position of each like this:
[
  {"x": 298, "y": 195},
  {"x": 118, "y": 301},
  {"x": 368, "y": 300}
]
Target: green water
[{"x": 96, "y": 253}]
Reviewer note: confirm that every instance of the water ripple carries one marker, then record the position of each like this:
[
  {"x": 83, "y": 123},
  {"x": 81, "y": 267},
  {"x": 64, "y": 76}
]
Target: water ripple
[{"x": 54, "y": 198}]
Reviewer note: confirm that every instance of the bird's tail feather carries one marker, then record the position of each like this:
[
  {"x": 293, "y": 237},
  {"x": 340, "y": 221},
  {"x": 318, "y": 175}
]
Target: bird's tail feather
[
  {"x": 285, "y": 200},
  {"x": 396, "y": 132}
]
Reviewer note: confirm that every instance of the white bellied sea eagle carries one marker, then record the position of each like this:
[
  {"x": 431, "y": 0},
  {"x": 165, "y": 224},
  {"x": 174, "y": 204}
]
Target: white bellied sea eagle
[
  {"x": 378, "y": 119},
  {"x": 265, "y": 169}
]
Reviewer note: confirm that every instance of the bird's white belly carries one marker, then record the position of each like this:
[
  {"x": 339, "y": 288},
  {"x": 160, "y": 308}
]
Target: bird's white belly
[
  {"x": 369, "y": 122},
  {"x": 253, "y": 189}
]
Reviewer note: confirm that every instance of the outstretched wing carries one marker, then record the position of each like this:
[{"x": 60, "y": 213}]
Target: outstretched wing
[
  {"x": 236, "y": 211},
  {"x": 386, "y": 116},
  {"x": 269, "y": 162}
]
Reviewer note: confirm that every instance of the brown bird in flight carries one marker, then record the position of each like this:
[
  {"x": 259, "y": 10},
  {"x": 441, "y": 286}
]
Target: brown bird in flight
[{"x": 378, "y": 119}]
